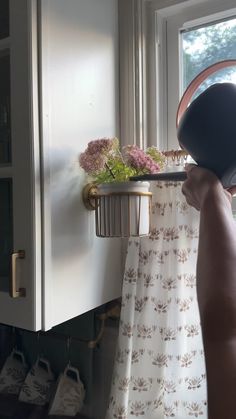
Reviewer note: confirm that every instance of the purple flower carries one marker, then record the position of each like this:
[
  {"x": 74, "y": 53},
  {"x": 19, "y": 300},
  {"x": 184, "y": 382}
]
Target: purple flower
[
  {"x": 92, "y": 163},
  {"x": 103, "y": 161},
  {"x": 102, "y": 146},
  {"x": 139, "y": 160},
  {"x": 97, "y": 153}
]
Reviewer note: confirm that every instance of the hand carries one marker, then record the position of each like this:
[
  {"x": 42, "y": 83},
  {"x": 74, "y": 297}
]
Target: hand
[{"x": 202, "y": 184}]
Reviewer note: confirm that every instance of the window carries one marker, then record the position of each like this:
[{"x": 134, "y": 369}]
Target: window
[
  {"x": 189, "y": 37},
  {"x": 204, "y": 45}
]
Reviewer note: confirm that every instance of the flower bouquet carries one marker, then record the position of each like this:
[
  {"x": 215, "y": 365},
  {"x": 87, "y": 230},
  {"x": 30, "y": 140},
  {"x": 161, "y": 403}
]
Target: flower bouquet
[
  {"x": 122, "y": 207},
  {"x": 105, "y": 162}
]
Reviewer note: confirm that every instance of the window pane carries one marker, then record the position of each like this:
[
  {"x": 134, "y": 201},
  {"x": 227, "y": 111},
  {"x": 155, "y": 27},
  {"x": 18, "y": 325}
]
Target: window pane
[{"x": 206, "y": 45}]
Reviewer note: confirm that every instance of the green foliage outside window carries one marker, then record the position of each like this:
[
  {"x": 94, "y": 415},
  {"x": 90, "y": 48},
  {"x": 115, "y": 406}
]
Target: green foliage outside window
[{"x": 207, "y": 45}]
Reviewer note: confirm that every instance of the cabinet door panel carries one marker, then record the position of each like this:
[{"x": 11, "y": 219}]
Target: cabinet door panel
[
  {"x": 79, "y": 103},
  {"x": 6, "y": 233},
  {"x": 5, "y": 128},
  {"x": 4, "y": 19},
  {"x": 24, "y": 312}
]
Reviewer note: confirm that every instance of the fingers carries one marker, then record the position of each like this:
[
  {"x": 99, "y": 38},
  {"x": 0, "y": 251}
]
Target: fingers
[
  {"x": 193, "y": 188},
  {"x": 198, "y": 172},
  {"x": 199, "y": 183},
  {"x": 189, "y": 196},
  {"x": 187, "y": 186},
  {"x": 232, "y": 190},
  {"x": 189, "y": 166}
]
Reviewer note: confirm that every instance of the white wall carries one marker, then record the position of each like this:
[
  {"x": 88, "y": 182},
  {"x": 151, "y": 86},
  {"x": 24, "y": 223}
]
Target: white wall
[{"x": 80, "y": 98}]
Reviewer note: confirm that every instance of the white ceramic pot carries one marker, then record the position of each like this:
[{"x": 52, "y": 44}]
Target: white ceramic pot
[{"x": 123, "y": 210}]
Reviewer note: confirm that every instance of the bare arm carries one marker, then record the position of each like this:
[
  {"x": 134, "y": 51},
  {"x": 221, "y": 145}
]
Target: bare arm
[{"x": 216, "y": 288}]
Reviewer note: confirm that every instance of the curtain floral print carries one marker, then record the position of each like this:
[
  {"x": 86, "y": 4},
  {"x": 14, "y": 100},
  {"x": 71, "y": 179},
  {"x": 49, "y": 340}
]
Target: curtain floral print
[{"x": 159, "y": 367}]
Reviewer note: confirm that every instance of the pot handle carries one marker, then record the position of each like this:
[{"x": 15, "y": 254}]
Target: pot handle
[
  {"x": 19, "y": 356},
  {"x": 72, "y": 372},
  {"x": 195, "y": 83}
]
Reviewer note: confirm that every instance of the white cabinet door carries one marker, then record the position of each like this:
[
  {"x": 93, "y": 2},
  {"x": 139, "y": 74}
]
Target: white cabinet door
[
  {"x": 79, "y": 97},
  {"x": 66, "y": 270},
  {"x": 20, "y": 175}
]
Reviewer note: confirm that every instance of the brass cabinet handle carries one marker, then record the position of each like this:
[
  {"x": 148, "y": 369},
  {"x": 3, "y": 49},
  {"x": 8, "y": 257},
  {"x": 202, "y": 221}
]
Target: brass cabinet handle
[{"x": 14, "y": 292}]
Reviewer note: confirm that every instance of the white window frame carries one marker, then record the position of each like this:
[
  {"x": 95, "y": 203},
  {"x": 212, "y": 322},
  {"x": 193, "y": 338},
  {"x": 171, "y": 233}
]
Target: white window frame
[
  {"x": 132, "y": 29},
  {"x": 158, "y": 16}
]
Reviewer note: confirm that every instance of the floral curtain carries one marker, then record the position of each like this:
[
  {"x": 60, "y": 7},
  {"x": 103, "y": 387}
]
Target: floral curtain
[{"x": 159, "y": 367}]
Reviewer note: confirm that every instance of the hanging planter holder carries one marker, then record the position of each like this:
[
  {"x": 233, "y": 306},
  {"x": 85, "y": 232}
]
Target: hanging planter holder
[{"x": 121, "y": 209}]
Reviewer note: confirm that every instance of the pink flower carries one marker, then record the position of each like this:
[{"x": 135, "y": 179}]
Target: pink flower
[
  {"x": 103, "y": 161},
  {"x": 102, "y": 146},
  {"x": 95, "y": 157},
  {"x": 92, "y": 163},
  {"x": 138, "y": 159}
]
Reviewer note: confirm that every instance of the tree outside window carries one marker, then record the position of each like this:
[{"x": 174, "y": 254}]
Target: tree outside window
[{"x": 206, "y": 45}]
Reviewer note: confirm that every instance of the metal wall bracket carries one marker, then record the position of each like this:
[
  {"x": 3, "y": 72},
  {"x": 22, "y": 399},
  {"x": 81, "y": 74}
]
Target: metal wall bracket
[{"x": 89, "y": 194}]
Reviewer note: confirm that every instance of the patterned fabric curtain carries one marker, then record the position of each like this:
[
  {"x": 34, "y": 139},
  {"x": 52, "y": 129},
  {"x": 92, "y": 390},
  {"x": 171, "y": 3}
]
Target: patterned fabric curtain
[{"x": 159, "y": 367}]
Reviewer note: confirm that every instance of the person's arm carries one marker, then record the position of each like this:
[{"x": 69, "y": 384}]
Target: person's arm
[{"x": 216, "y": 287}]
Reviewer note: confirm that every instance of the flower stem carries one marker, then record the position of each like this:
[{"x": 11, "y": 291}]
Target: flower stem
[{"x": 111, "y": 172}]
